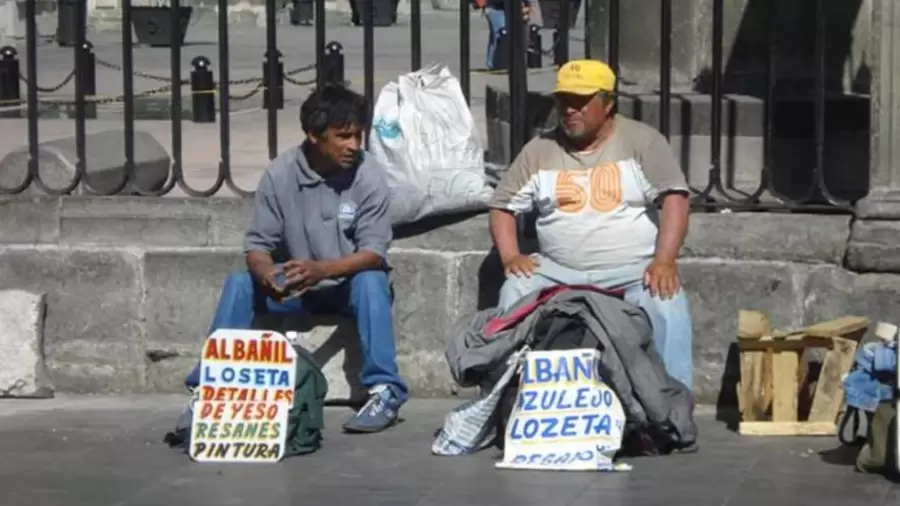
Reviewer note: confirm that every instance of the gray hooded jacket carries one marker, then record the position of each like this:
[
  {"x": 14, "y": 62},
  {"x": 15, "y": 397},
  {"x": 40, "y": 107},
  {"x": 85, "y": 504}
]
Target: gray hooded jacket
[{"x": 635, "y": 370}]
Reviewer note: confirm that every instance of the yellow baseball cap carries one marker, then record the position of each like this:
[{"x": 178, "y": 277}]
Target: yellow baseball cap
[{"x": 585, "y": 77}]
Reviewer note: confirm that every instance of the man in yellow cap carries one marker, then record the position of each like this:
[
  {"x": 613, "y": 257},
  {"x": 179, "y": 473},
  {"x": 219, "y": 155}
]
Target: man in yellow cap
[{"x": 595, "y": 182}]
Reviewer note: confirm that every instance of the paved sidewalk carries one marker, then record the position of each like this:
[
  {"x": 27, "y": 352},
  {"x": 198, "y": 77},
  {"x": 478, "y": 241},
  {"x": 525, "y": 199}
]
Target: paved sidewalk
[{"x": 104, "y": 451}]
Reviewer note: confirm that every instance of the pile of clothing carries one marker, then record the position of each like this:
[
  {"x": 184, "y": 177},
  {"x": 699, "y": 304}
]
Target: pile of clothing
[
  {"x": 485, "y": 349},
  {"x": 871, "y": 380}
]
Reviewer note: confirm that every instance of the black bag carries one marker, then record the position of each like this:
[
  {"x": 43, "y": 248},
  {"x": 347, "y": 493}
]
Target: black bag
[{"x": 878, "y": 453}]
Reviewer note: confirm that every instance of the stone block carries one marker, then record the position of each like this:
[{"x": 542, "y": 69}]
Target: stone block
[
  {"x": 166, "y": 372},
  {"x": 333, "y": 341},
  {"x": 805, "y": 238},
  {"x": 135, "y": 221},
  {"x": 479, "y": 278},
  {"x": 741, "y": 161},
  {"x": 28, "y": 220},
  {"x": 22, "y": 368},
  {"x": 94, "y": 331},
  {"x": 425, "y": 301},
  {"x": 104, "y": 161},
  {"x": 182, "y": 289},
  {"x": 141, "y": 230},
  {"x": 874, "y": 246},
  {"x": 464, "y": 232},
  {"x": 718, "y": 289},
  {"x": 229, "y": 219},
  {"x": 831, "y": 292}
]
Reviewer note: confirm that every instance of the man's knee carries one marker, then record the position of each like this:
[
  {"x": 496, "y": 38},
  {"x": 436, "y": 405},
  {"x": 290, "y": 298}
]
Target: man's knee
[
  {"x": 238, "y": 282},
  {"x": 666, "y": 308},
  {"x": 514, "y": 288},
  {"x": 372, "y": 283}
]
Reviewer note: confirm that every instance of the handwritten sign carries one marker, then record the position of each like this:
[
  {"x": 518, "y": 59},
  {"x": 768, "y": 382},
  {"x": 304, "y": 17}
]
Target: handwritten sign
[
  {"x": 246, "y": 391},
  {"x": 565, "y": 416}
]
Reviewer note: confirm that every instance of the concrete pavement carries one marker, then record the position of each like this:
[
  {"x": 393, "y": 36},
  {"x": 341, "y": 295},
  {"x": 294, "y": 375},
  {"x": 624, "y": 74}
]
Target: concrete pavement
[{"x": 105, "y": 451}]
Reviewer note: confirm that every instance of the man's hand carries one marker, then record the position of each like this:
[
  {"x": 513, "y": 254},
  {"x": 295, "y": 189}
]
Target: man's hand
[
  {"x": 271, "y": 283},
  {"x": 302, "y": 275},
  {"x": 520, "y": 265},
  {"x": 661, "y": 279}
]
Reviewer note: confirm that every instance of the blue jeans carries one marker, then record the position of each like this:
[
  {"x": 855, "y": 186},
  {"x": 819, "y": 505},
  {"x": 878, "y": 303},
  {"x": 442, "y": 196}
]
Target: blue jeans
[
  {"x": 496, "y": 19},
  {"x": 670, "y": 318},
  {"x": 366, "y": 296}
]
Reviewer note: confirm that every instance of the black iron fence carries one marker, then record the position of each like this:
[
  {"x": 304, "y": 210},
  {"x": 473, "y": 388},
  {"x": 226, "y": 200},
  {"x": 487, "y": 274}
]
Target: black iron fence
[{"x": 520, "y": 49}]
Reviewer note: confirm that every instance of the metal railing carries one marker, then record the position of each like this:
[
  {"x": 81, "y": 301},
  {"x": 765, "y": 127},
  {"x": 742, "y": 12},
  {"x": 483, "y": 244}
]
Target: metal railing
[
  {"x": 329, "y": 68},
  {"x": 716, "y": 194}
]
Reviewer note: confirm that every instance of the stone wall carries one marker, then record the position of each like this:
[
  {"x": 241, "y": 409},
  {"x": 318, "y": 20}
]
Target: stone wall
[{"x": 131, "y": 284}]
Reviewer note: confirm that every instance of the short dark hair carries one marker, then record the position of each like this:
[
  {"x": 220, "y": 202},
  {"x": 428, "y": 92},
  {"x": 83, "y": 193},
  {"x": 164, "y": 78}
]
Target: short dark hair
[{"x": 332, "y": 106}]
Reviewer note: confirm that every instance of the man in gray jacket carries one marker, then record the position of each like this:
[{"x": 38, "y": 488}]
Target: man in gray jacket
[{"x": 322, "y": 209}]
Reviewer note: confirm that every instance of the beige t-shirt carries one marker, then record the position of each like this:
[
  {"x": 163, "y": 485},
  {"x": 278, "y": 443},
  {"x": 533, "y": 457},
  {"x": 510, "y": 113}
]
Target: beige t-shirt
[{"x": 593, "y": 206}]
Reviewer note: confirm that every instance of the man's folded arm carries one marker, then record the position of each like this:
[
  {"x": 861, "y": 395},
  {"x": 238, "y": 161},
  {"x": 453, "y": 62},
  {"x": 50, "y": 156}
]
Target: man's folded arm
[
  {"x": 670, "y": 190},
  {"x": 513, "y": 195},
  {"x": 266, "y": 230}
]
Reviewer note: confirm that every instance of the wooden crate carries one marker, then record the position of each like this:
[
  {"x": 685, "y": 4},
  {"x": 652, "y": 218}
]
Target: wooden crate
[{"x": 774, "y": 379}]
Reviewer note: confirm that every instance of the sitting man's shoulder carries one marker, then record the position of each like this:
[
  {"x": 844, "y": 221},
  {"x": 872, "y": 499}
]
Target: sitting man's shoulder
[
  {"x": 371, "y": 173},
  {"x": 547, "y": 141},
  {"x": 282, "y": 167},
  {"x": 637, "y": 131}
]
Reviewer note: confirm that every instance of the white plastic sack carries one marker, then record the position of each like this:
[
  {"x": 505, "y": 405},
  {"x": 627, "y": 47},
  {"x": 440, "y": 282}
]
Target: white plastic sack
[{"x": 424, "y": 134}]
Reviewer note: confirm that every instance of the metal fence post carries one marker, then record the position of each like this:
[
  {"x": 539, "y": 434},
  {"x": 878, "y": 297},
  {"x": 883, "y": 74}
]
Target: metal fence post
[
  {"x": 273, "y": 96},
  {"x": 535, "y": 47},
  {"x": 89, "y": 79},
  {"x": 10, "y": 92},
  {"x": 560, "y": 51},
  {"x": 333, "y": 63},
  {"x": 203, "y": 98}
]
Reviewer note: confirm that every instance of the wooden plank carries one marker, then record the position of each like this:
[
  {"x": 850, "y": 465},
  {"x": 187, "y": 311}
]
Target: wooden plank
[
  {"x": 768, "y": 392},
  {"x": 845, "y": 326},
  {"x": 753, "y": 324},
  {"x": 886, "y": 331},
  {"x": 785, "y": 385},
  {"x": 788, "y": 342},
  {"x": 830, "y": 390},
  {"x": 787, "y": 429},
  {"x": 750, "y": 388}
]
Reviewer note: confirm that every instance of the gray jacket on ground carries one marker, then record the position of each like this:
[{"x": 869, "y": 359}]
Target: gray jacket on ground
[{"x": 634, "y": 369}]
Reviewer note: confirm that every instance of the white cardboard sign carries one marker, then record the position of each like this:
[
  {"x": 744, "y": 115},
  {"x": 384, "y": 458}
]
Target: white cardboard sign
[
  {"x": 565, "y": 417},
  {"x": 246, "y": 390}
]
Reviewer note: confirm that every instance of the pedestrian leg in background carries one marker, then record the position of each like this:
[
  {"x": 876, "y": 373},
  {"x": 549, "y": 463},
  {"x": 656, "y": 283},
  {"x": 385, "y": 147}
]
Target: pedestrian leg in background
[{"x": 496, "y": 19}]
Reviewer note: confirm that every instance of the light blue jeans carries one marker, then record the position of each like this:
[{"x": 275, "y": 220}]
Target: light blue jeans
[
  {"x": 366, "y": 296},
  {"x": 670, "y": 318}
]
